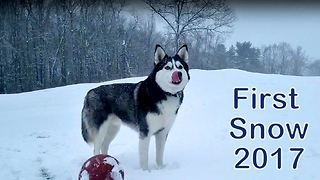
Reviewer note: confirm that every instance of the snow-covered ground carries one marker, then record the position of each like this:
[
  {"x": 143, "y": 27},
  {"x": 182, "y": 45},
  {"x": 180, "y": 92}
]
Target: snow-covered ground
[{"x": 40, "y": 135}]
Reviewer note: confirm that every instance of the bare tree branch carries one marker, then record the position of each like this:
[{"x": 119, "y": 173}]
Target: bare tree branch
[
  {"x": 185, "y": 16},
  {"x": 161, "y": 15}
]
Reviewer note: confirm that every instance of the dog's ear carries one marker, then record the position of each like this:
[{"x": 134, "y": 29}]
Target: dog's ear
[
  {"x": 183, "y": 53},
  {"x": 159, "y": 54}
]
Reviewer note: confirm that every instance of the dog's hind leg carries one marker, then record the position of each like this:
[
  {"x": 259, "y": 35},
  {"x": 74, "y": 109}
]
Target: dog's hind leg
[
  {"x": 161, "y": 138},
  {"x": 107, "y": 132}
]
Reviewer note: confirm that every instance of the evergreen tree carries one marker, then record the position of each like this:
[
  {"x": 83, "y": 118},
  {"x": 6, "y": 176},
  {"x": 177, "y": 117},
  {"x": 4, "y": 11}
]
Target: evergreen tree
[{"x": 247, "y": 57}]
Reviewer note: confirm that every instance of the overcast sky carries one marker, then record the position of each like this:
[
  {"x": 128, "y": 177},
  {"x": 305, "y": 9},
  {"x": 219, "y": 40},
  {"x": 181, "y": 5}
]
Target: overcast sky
[{"x": 263, "y": 24}]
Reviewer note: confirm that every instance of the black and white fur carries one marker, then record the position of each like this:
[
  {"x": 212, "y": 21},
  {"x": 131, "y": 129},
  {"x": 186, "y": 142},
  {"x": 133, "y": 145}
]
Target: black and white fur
[{"x": 149, "y": 107}]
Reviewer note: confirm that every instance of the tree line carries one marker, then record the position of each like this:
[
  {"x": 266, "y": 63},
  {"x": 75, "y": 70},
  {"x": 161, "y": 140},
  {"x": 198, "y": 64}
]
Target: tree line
[
  {"x": 279, "y": 58},
  {"x": 53, "y": 43}
]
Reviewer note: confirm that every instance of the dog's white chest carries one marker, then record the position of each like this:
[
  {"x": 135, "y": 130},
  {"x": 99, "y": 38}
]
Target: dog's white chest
[{"x": 165, "y": 119}]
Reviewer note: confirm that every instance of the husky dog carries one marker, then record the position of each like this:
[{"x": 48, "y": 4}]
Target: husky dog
[{"x": 149, "y": 107}]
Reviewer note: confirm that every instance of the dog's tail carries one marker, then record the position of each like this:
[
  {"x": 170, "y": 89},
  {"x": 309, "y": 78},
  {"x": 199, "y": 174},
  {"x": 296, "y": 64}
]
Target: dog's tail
[
  {"x": 87, "y": 131},
  {"x": 84, "y": 127}
]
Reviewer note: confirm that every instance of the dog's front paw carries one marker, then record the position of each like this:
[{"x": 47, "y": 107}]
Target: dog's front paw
[
  {"x": 161, "y": 166},
  {"x": 146, "y": 169},
  {"x": 144, "y": 166}
]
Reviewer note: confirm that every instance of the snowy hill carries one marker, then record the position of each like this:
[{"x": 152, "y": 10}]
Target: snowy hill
[{"x": 41, "y": 139}]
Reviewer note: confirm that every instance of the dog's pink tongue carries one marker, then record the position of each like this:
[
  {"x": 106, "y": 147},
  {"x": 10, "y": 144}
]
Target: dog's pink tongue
[{"x": 175, "y": 76}]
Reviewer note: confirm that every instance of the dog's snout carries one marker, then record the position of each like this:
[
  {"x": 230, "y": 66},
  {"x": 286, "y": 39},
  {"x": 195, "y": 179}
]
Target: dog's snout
[{"x": 180, "y": 74}]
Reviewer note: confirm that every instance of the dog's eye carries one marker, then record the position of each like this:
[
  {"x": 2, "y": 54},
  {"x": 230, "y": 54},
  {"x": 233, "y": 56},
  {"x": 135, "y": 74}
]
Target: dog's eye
[
  {"x": 167, "y": 68},
  {"x": 179, "y": 67}
]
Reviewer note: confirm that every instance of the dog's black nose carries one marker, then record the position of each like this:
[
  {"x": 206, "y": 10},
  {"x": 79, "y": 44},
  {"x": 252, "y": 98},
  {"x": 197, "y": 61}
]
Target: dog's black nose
[{"x": 180, "y": 75}]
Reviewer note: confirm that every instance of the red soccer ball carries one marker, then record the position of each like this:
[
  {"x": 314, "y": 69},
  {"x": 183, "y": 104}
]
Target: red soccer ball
[{"x": 101, "y": 167}]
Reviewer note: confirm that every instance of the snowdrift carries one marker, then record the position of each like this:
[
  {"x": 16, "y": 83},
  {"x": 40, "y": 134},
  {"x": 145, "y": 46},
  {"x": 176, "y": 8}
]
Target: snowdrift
[{"x": 41, "y": 139}]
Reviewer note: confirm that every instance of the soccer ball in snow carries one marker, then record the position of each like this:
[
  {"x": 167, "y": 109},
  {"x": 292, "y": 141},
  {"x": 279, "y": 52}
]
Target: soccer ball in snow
[{"x": 101, "y": 167}]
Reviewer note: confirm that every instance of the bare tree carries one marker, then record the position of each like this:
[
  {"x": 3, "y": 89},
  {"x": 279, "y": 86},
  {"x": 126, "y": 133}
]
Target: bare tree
[
  {"x": 314, "y": 68},
  {"x": 282, "y": 58},
  {"x": 187, "y": 16}
]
